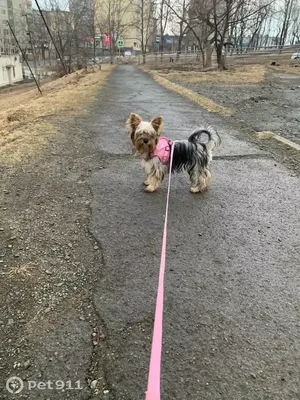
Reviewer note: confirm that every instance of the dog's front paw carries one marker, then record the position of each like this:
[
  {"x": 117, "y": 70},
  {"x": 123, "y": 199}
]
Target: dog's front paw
[
  {"x": 199, "y": 189},
  {"x": 146, "y": 183},
  {"x": 150, "y": 189},
  {"x": 195, "y": 189}
]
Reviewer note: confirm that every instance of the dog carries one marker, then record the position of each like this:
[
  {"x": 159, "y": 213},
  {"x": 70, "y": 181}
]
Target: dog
[{"x": 191, "y": 155}]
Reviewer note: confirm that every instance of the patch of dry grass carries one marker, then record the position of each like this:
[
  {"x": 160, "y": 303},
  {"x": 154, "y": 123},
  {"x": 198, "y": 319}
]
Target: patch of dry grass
[
  {"x": 265, "y": 135},
  {"x": 290, "y": 69},
  {"x": 204, "y": 102},
  {"x": 236, "y": 75},
  {"x": 23, "y": 125},
  {"x": 24, "y": 142}
]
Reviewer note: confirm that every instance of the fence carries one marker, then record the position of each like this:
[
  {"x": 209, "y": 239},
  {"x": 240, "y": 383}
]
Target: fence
[
  {"x": 264, "y": 56},
  {"x": 233, "y": 55}
]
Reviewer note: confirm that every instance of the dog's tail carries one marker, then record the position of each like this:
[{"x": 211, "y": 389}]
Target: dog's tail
[{"x": 214, "y": 139}]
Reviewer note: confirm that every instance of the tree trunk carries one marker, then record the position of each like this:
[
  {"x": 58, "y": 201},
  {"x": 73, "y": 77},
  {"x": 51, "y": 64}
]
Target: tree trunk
[
  {"x": 180, "y": 40},
  {"x": 208, "y": 54},
  {"x": 161, "y": 48},
  {"x": 203, "y": 56},
  {"x": 111, "y": 49},
  {"x": 220, "y": 58},
  {"x": 161, "y": 41},
  {"x": 286, "y": 22},
  {"x": 179, "y": 47}
]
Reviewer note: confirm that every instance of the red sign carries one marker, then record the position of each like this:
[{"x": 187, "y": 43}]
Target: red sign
[{"x": 107, "y": 39}]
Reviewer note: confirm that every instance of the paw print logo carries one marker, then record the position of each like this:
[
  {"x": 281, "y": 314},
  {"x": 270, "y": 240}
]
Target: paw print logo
[{"x": 14, "y": 385}]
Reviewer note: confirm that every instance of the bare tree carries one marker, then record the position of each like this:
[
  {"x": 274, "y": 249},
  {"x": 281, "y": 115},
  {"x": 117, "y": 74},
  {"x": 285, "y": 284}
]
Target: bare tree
[
  {"x": 295, "y": 29},
  {"x": 287, "y": 9},
  {"x": 146, "y": 24},
  {"x": 72, "y": 29},
  {"x": 163, "y": 18},
  {"x": 192, "y": 14},
  {"x": 179, "y": 16},
  {"x": 250, "y": 21},
  {"x": 217, "y": 22},
  {"x": 68, "y": 28},
  {"x": 255, "y": 25}
]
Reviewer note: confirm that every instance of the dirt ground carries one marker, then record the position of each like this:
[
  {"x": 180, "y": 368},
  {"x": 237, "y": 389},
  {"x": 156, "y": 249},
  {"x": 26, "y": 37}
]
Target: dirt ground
[
  {"x": 47, "y": 254},
  {"x": 263, "y": 98}
]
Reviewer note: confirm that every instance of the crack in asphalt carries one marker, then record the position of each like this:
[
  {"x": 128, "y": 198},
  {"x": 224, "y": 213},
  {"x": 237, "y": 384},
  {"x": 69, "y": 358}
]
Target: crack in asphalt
[{"x": 100, "y": 329}]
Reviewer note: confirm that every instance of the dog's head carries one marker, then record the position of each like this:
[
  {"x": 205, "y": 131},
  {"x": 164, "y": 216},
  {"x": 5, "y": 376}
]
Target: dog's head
[{"x": 144, "y": 135}]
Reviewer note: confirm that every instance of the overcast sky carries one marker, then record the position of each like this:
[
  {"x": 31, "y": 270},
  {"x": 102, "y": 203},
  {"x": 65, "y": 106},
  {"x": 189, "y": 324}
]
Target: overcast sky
[{"x": 44, "y": 3}]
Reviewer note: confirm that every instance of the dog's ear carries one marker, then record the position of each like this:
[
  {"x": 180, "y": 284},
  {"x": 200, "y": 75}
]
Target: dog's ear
[
  {"x": 133, "y": 121},
  {"x": 157, "y": 124}
]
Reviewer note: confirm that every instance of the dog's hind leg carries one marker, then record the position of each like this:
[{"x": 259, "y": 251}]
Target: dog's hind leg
[
  {"x": 208, "y": 177},
  {"x": 200, "y": 179}
]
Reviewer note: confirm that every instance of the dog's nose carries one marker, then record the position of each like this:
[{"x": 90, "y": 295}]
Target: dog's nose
[{"x": 146, "y": 141}]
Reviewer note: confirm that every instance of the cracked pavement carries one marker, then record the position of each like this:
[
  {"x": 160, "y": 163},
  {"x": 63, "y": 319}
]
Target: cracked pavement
[{"x": 231, "y": 328}]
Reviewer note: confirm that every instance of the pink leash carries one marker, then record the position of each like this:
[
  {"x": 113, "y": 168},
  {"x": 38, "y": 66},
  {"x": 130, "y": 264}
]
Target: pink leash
[{"x": 153, "y": 391}]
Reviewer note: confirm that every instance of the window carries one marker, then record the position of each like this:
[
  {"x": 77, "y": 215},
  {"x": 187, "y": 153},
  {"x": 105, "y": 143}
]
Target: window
[{"x": 14, "y": 72}]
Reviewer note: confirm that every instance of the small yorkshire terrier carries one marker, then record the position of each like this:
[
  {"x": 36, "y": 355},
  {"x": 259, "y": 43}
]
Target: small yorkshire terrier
[{"x": 191, "y": 155}]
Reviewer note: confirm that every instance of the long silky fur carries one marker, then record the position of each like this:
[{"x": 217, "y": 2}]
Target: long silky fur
[{"x": 193, "y": 153}]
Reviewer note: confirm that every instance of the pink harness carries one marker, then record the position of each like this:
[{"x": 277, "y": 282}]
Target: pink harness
[{"x": 163, "y": 149}]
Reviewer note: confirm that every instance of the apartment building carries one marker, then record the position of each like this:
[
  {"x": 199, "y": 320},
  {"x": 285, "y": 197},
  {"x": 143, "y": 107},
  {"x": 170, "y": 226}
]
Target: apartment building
[
  {"x": 10, "y": 70},
  {"x": 13, "y": 11},
  {"x": 133, "y": 21}
]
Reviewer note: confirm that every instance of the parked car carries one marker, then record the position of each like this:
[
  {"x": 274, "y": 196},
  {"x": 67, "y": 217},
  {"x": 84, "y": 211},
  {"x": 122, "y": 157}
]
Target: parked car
[{"x": 295, "y": 56}]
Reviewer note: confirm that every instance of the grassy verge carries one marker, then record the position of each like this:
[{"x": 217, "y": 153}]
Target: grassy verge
[
  {"x": 25, "y": 125},
  {"x": 204, "y": 102}
]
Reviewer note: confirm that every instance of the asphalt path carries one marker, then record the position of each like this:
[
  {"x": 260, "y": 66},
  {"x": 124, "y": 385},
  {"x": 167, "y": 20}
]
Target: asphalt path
[{"x": 231, "y": 328}]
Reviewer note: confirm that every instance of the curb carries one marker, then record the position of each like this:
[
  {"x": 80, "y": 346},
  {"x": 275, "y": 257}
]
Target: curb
[{"x": 271, "y": 135}]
